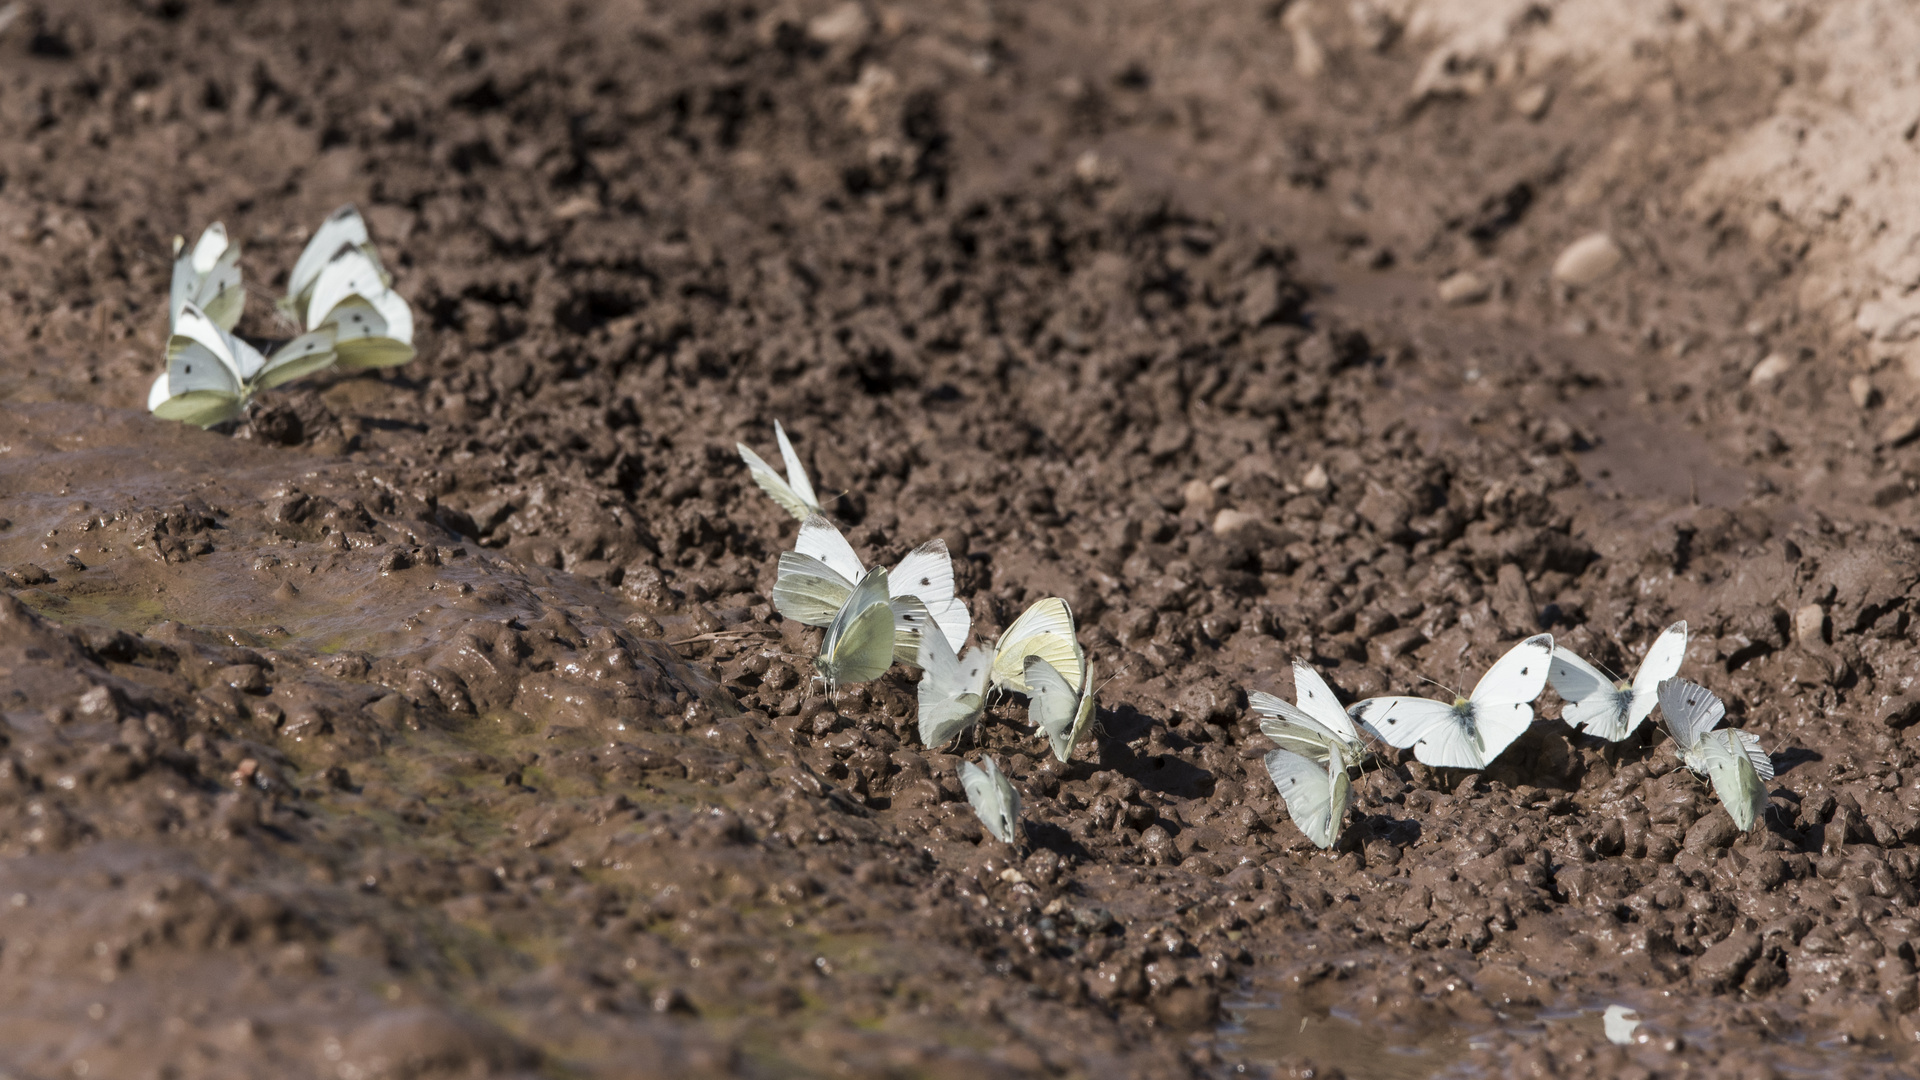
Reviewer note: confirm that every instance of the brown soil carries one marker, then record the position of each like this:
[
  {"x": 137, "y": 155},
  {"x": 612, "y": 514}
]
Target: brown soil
[{"x": 436, "y": 723}]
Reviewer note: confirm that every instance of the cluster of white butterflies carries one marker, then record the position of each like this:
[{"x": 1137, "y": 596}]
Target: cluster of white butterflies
[
  {"x": 875, "y": 617},
  {"x": 339, "y": 297},
  {"x": 1318, "y": 741}
]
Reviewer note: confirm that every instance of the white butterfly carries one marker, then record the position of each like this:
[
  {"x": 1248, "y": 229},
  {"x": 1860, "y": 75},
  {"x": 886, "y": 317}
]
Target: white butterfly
[
  {"x": 207, "y": 277},
  {"x": 1056, "y": 706},
  {"x": 1045, "y": 630},
  {"x": 1316, "y": 792},
  {"x": 1313, "y": 727},
  {"x": 1731, "y": 758},
  {"x": 795, "y": 493},
  {"x": 339, "y": 282},
  {"x": 211, "y": 373},
  {"x": 816, "y": 578},
  {"x": 993, "y": 798},
  {"x": 953, "y": 690},
  {"x": 1614, "y": 710},
  {"x": 1470, "y": 732},
  {"x": 861, "y": 639}
]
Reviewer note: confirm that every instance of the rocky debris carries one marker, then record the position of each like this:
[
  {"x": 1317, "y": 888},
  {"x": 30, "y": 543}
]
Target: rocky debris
[
  {"x": 1463, "y": 288},
  {"x": 1588, "y": 260}
]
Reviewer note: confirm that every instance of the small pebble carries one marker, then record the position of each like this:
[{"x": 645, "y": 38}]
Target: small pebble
[
  {"x": 1231, "y": 522},
  {"x": 1465, "y": 287},
  {"x": 1316, "y": 478},
  {"x": 1198, "y": 496},
  {"x": 1588, "y": 260},
  {"x": 1810, "y": 624},
  {"x": 1861, "y": 389},
  {"x": 1532, "y": 102},
  {"x": 1770, "y": 369},
  {"x": 1901, "y": 431}
]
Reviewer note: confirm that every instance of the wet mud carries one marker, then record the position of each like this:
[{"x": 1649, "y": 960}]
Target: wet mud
[{"x": 436, "y": 722}]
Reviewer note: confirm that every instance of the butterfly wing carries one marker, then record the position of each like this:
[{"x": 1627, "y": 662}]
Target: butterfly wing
[
  {"x": 209, "y": 276},
  {"x": 1315, "y": 698},
  {"x": 771, "y": 483},
  {"x": 343, "y": 228},
  {"x": 1661, "y": 663},
  {"x": 927, "y": 572},
  {"x": 1502, "y": 703},
  {"x": 1734, "y": 778},
  {"x": 912, "y": 624},
  {"x": 1691, "y": 710},
  {"x": 1056, "y": 708},
  {"x": 372, "y": 332},
  {"x": 1435, "y": 730},
  {"x": 201, "y": 385},
  {"x": 859, "y": 642},
  {"x": 302, "y": 356},
  {"x": 1291, "y": 728},
  {"x": 1046, "y": 630},
  {"x": 1309, "y": 790},
  {"x": 821, "y": 540},
  {"x": 1591, "y": 700},
  {"x": 993, "y": 799},
  {"x": 1762, "y": 761},
  {"x": 809, "y": 591},
  {"x": 953, "y": 690},
  {"x": 797, "y": 473}
]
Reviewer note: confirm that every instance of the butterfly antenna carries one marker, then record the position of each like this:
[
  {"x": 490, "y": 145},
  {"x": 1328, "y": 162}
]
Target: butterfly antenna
[{"x": 1439, "y": 684}]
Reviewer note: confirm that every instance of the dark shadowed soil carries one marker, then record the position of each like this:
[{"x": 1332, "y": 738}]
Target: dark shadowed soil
[{"x": 437, "y": 724}]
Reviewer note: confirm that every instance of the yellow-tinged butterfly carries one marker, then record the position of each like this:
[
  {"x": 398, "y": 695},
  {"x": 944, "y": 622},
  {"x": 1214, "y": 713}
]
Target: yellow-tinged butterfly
[
  {"x": 211, "y": 373},
  {"x": 338, "y": 281},
  {"x": 1045, "y": 630}
]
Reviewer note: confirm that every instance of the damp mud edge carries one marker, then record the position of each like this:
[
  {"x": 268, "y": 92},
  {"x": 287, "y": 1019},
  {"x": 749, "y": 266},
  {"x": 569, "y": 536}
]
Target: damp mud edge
[{"x": 437, "y": 721}]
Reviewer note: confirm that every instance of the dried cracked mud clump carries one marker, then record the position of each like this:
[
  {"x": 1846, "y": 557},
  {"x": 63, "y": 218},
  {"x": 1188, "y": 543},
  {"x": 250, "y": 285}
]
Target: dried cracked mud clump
[{"x": 437, "y": 723}]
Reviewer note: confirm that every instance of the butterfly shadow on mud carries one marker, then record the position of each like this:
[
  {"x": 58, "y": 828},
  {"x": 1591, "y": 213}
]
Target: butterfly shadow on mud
[
  {"x": 1164, "y": 773},
  {"x": 1045, "y": 834}
]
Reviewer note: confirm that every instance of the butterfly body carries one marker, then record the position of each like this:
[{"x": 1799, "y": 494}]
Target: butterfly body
[
  {"x": 1059, "y": 710},
  {"x": 953, "y": 689},
  {"x": 1314, "y": 725},
  {"x": 1472, "y": 731},
  {"x": 1731, "y": 759},
  {"x": 1614, "y": 709},
  {"x": 1316, "y": 792}
]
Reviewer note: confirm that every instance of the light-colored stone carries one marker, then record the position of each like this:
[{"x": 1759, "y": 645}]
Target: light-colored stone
[
  {"x": 1770, "y": 369},
  {"x": 1901, "y": 431},
  {"x": 1532, "y": 102},
  {"x": 1465, "y": 287},
  {"x": 1588, "y": 260},
  {"x": 1860, "y": 389},
  {"x": 1199, "y": 496},
  {"x": 1316, "y": 478},
  {"x": 1810, "y": 624},
  {"x": 848, "y": 22},
  {"x": 1229, "y": 523}
]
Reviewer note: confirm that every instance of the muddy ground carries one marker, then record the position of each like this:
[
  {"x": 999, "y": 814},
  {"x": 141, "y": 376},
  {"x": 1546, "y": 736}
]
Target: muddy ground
[{"x": 436, "y": 722}]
